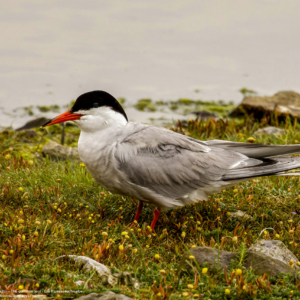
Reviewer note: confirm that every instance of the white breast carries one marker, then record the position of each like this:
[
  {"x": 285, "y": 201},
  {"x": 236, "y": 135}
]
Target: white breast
[{"x": 100, "y": 131}]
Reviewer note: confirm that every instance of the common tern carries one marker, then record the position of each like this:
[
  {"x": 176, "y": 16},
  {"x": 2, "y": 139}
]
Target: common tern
[{"x": 161, "y": 167}]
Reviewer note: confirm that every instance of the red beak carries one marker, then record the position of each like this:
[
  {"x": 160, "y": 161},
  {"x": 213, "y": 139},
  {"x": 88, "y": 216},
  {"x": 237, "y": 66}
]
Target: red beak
[{"x": 66, "y": 116}]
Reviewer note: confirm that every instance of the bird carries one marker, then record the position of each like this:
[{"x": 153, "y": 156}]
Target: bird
[{"x": 161, "y": 167}]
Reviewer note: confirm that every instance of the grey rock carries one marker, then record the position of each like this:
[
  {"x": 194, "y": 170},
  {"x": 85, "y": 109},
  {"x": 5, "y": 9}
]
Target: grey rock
[
  {"x": 33, "y": 124},
  {"x": 209, "y": 256},
  {"x": 88, "y": 264},
  {"x": 30, "y": 133},
  {"x": 240, "y": 214},
  {"x": 259, "y": 262},
  {"x": 271, "y": 130},
  {"x": 123, "y": 278},
  {"x": 282, "y": 103},
  {"x": 264, "y": 264},
  {"x": 58, "y": 152},
  {"x": 204, "y": 114},
  {"x": 275, "y": 249},
  {"x": 104, "y": 272},
  {"x": 105, "y": 296}
]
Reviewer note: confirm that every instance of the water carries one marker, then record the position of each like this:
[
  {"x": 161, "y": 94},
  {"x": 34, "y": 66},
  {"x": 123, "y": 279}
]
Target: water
[{"x": 52, "y": 51}]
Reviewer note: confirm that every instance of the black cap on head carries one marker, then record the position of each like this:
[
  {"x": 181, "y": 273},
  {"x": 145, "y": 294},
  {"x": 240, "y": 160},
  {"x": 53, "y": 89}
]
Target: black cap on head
[{"x": 97, "y": 99}]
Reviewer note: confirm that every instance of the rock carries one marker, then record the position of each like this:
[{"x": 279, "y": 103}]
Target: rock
[
  {"x": 259, "y": 262},
  {"x": 240, "y": 214},
  {"x": 58, "y": 152},
  {"x": 30, "y": 133},
  {"x": 123, "y": 278},
  {"x": 270, "y": 131},
  {"x": 210, "y": 256},
  {"x": 104, "y": 272},
  {"x": 275, "y": 249},
  {"x": 33, "y": 124},
  {"x": 104, "y": 296},
  {"x": 282, "y": 103},
  {"x": 89, "y": 264},
  {"x": 264, "y": 264},
  {"x": 204, "y": 114}
]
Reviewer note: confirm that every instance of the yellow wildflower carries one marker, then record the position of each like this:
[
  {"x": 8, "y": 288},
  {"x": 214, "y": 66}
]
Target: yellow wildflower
[
  {"x": 238, "y": 272},
  {"x": 185, "y": 294}
]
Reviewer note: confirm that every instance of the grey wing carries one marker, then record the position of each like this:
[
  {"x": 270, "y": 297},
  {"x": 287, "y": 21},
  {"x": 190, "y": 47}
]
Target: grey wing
[
  {"x": 172, "y": 165},
  {"x": 255, "y": 150}
]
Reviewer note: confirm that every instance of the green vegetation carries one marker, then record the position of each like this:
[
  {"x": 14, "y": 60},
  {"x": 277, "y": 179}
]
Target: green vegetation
[
  {"x": 51, "y": 209},
  {"x": 247, "y": 92},
  {"x": 145, "y": 105},
  {"x": 186, "y": 106},
  {"x": 54, "y": 108}
]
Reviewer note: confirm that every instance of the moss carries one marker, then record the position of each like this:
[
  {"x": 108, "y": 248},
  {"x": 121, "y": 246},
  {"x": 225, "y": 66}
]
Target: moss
[
  {"x": 174, "y": 107},
  {"x": 247, "y": 92},
  {"x": 185, "y": 101},
  {"x": 54, "y": 108},
  {"x": 28, "y": 110},
  {"x": 161, "y": 102},
  {"x": 145, "y": 105}
]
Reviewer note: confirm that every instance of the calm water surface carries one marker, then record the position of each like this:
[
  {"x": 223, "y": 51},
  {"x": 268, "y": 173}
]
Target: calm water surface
[{"x": 52, "y": 51}]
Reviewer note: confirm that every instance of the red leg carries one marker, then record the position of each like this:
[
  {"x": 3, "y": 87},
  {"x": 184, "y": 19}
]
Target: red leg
[
  {"x": 138, "y": 212},
  {"x": 156, "y": 215}
]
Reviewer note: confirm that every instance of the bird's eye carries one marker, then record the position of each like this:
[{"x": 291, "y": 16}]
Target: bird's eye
[{"x": 96, "y": 105}]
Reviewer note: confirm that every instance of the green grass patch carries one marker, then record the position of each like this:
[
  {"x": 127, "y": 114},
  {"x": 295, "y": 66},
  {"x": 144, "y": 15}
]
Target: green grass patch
[{"x": 49, "y": 209}]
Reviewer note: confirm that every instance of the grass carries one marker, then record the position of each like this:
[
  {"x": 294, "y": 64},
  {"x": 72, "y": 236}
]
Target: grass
[{"x": 49, "y": 209}]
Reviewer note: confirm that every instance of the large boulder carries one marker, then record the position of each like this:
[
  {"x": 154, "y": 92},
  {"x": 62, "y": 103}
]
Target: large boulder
[
  {"x": 58, "y": 152},
  {"x": 282, "y": 103},
  {"x": 275, "y": 249},
  {"x": 261, "y": 263},
  {"x": 208, "y": 256},
  {"x": 264, "y": 264}
]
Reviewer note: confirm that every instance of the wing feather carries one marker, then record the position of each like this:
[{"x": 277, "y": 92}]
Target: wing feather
[{"x": 170, "y": 164}]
